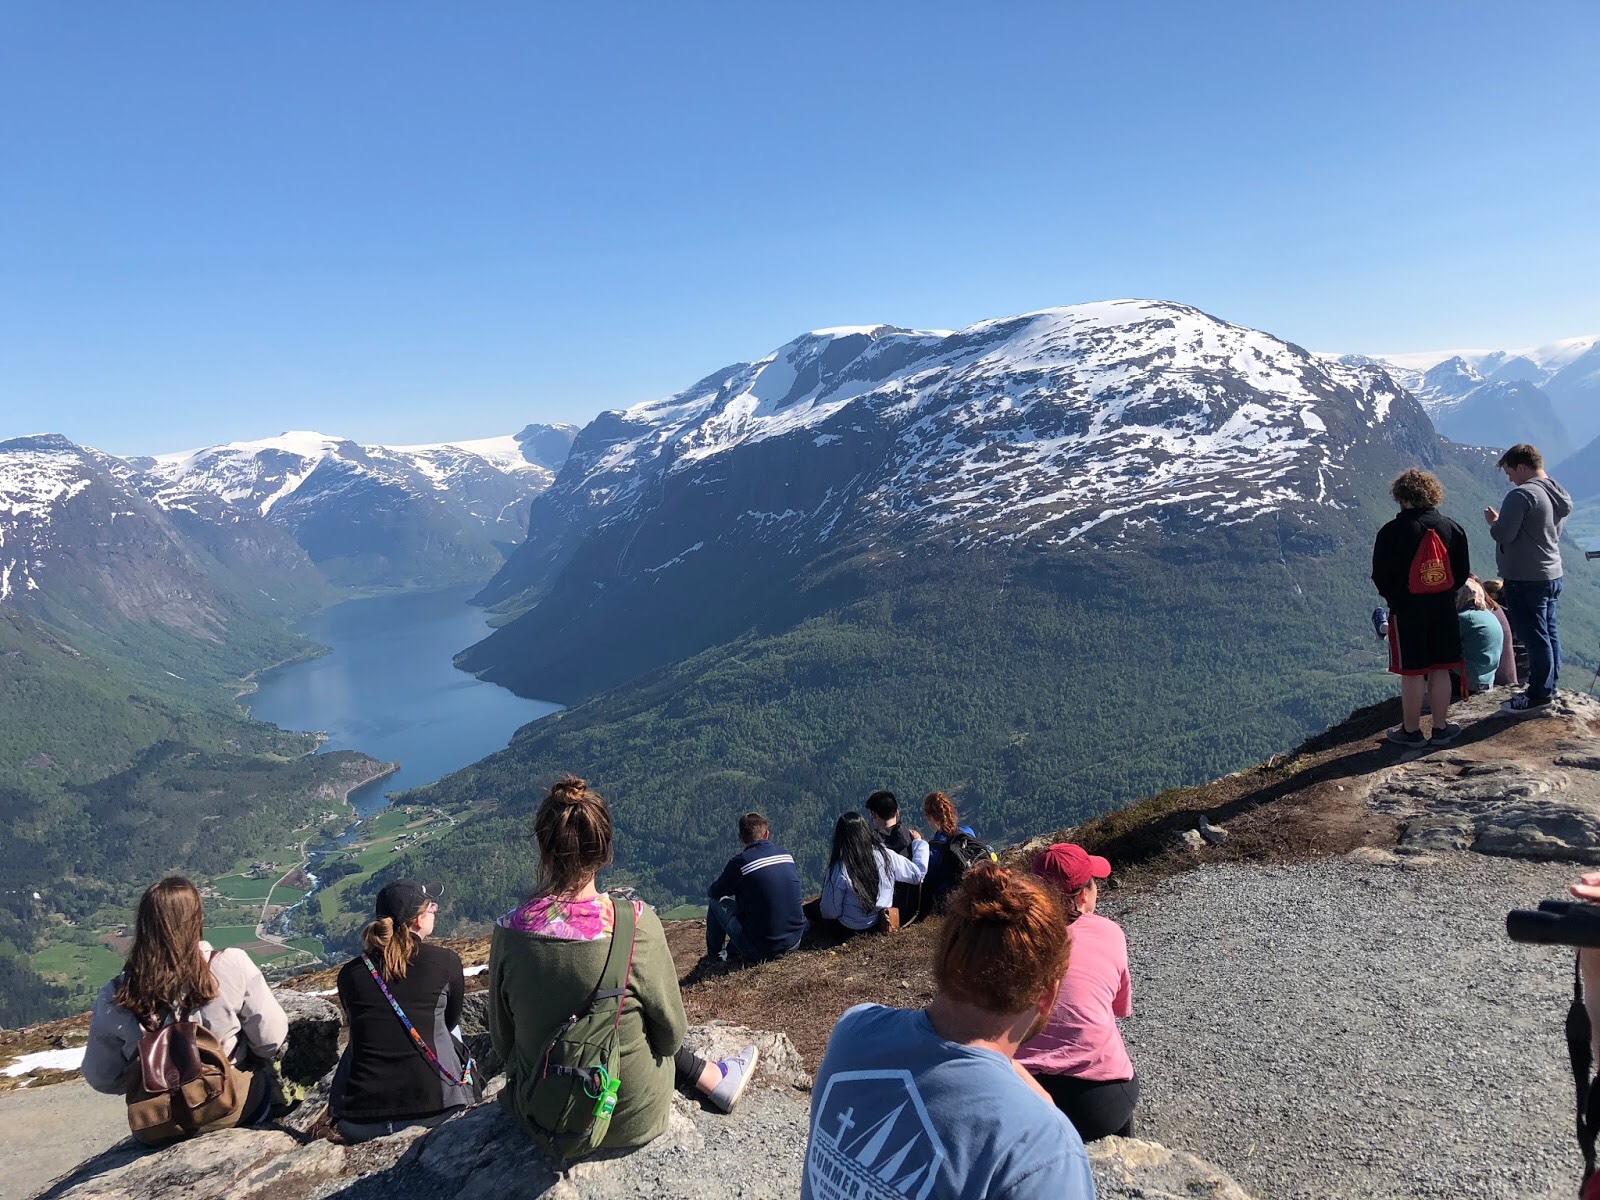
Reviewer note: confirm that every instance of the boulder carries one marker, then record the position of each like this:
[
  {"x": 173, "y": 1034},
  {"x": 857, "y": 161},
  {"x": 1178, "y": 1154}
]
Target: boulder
[
  {"x": 1130, "y": 1169},
  {"x": 314, "y": 1027},
  {"x": 780, "y": 1062}
]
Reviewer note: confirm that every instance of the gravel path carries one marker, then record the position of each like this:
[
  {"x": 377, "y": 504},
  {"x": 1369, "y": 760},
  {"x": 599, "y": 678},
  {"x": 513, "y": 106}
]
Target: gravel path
[
  {"x": 1340, "y": 1029},
  {"x": 50, "y": 1130}
]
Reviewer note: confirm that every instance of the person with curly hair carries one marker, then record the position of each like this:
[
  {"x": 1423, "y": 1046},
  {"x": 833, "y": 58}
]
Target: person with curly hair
[{"x": 1418, "y": 561}]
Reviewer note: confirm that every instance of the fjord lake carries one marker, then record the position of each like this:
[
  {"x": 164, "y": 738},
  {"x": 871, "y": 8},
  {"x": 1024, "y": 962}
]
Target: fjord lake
[{"x": 388, "y": 688}]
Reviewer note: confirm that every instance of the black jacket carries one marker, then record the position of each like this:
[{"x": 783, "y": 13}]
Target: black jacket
[
  {"x": 382, "y": 1075},
  {"x": 1396, "y": 547},
  {"x": 765, "y": 885}
]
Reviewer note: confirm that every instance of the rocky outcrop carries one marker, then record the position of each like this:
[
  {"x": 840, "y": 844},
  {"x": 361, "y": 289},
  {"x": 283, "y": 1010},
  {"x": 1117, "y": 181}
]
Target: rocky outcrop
[
  {"x": 756, "y": 1152},
  {"x": 1541, "y": 802},
  {"x": 1130, "y": 1169}
]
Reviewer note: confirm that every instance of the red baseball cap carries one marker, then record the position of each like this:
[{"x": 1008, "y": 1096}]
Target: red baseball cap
[{"x": 1070, "y": 867}]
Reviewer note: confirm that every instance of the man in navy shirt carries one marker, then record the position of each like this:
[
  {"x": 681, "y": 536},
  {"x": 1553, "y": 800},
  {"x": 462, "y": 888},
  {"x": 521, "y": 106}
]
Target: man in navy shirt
[{"x": 755, "y": 902}]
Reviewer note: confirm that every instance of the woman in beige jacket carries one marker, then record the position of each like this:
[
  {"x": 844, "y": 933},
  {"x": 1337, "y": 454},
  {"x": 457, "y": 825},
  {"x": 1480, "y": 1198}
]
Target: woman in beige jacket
[{"x": 171, "y": 969}]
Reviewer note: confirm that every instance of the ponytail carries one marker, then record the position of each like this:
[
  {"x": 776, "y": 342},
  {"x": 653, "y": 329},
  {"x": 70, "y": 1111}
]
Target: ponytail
[{"x": 390, "y": 946}]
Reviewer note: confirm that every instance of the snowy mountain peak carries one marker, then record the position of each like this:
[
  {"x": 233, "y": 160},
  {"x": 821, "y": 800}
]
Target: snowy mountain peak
[{"x": 1070, "y": 426}]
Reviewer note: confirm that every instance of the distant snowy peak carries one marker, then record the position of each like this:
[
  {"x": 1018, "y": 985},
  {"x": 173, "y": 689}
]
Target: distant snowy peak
[
  {"x": 1044, "y": 426},
  {"x": 485, "y": 481},
  {"x": 1567, "y": 372}
]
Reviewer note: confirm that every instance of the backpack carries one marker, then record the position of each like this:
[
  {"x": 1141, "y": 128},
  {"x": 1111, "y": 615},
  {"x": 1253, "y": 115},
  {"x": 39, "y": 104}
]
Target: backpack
[
  {"x": 568, "y": 1104},
  {"x": 1430, "y": 567},
  {"x": 185, "y": 1084},
  {"x": 961, "y": 853}
]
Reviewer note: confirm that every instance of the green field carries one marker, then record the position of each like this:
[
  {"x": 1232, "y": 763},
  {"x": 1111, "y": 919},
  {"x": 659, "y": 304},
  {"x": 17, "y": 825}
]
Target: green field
[
  {"x": 684, "y": 912},
  {"x": 223, "y": 936},
  {"x": 81, "y": 967},
  {"x": 237, "y": 887}
]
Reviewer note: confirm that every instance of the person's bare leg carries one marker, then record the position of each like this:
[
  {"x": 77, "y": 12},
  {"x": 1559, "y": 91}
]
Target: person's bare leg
[
  {"x": 709, "y": 1078},
  {"x": 1439, "y": 698},
  {"x": 1411, "y": 689}
]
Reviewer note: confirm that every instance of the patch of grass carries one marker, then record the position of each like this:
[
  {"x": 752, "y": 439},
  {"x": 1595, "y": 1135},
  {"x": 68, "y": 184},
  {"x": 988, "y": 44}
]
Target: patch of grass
[
  {"x": 237, "y": 887},
  {"x": 222, "y": 937},
  {"x": 82, "y": 967},
  {"x": 684, "y": 912}
]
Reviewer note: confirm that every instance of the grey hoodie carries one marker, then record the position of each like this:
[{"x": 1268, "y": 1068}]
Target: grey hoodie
[{"x": 1528, "y": 534}]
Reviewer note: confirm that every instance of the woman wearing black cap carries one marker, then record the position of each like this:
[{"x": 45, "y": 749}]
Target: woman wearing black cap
[{"x": 401, "y": 998}]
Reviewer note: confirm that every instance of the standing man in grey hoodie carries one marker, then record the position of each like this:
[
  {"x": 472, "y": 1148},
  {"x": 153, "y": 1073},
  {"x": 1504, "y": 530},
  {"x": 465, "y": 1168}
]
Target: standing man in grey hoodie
[{"x": 1527, "y": 536}]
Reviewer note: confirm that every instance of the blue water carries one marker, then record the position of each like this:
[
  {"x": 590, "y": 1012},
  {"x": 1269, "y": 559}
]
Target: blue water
[{"x": 388, "y": 689}]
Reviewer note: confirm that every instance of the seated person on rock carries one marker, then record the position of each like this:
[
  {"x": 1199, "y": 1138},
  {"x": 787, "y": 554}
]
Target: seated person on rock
[
  {"x": 1482, "y": 640},
  {"x": 858, "y": 885},
  {"x": 172, "y": 974},
  {"x": 547, "y": 961},
  {"x": 1079, "y": 1057},
  {"x": 399, "y": 1071},
  {"x": 755, "y": 902},
  {"x": 1513, "y": 657},
  {"x": 930, "y": 1102}
]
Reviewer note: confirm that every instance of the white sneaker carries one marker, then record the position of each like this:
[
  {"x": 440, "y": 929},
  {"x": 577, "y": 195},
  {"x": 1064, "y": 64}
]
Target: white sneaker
[{"x": 736, "y": 1072}]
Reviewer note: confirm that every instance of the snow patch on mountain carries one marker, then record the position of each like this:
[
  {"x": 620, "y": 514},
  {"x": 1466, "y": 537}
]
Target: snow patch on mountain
[{"x": 1048, "y": 426}]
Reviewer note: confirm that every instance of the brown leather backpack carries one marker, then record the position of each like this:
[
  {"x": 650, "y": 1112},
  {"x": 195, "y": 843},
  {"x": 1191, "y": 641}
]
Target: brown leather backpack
[{"x": 184, "y": 1084}]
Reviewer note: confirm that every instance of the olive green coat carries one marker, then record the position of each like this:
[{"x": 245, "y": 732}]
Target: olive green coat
[{"x": 535, "y": 982}]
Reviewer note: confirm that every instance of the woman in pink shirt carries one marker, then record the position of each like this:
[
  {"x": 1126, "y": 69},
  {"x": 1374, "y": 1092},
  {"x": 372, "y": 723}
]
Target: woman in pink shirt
[{"x": 1079, "y": 1059}]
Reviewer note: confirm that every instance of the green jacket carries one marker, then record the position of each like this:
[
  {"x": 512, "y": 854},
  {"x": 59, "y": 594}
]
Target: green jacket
[{"x": 535, "y": 982}]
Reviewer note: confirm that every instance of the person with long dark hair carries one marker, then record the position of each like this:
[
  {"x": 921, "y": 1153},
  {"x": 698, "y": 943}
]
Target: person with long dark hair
[
  {"x": 858, "y": 884},
  {"x": 544, "y": 963},
  {"x": 402, "y": 997},
  {"x": 172, "y": 973}
]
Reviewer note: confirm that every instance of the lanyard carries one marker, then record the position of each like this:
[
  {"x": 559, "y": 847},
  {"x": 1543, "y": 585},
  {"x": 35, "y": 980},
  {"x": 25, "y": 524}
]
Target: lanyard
[{"x": 416, "y": 1038}]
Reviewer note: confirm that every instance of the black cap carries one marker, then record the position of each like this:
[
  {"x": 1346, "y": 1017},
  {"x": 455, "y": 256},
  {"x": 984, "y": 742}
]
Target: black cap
[{"x": 404, "y": 898}]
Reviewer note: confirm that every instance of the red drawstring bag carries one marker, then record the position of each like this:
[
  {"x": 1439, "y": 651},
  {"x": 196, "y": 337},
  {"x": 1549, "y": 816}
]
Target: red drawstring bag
[{"x": 1430, "y": 567}]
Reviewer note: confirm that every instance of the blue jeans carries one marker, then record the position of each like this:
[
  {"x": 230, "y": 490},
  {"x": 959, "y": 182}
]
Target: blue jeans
[
  {"x": 1531, "y": 608},
  {"x": 722, "y": 926}
]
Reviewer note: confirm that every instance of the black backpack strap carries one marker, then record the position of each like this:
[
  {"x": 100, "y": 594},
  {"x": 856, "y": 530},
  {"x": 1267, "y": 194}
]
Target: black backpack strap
[{"x": 1580, "y": 1053}]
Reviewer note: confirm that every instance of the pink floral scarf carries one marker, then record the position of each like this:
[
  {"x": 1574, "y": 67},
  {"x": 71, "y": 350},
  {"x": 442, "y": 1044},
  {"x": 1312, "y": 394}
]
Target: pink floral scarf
[{"x": 588, "y": 920}]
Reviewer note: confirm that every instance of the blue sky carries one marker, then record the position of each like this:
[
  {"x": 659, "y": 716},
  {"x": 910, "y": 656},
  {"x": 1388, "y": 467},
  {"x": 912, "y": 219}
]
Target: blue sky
[{"x": 418, "y": 221}]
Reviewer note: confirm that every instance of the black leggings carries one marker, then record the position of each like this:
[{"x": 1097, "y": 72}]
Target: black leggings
[
  {"x": 1097, "y": 1108},
  {"x": 688, "y": 1066}
]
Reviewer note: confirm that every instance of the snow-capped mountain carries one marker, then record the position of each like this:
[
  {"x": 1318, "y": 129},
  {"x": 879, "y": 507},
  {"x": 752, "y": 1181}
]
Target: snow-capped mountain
[
  {"x": 81, "y": 540},
  {"x": 1127, "y": 426},
  {"x": 378, "y": 514},
  {"x": 1069, "y": 427},
  {"x": 1567, "y": 372}
]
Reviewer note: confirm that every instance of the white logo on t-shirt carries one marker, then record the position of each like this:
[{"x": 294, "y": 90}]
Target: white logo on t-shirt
[{"x": 872, "y": 1140}]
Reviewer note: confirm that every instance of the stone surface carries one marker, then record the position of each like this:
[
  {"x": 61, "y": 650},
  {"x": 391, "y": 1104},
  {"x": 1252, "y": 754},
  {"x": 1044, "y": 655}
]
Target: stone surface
[
  {"x": 1138, "y": 1170},
  {"x": 314, "y": 1027}
]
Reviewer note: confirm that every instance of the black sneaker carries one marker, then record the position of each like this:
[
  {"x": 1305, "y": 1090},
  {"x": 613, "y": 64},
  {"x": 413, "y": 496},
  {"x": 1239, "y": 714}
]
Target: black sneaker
[
  {"x": 1522, "y": 702},
  {"x": 1445, "y": 734},
  {"x": 1400, "y": 736}
]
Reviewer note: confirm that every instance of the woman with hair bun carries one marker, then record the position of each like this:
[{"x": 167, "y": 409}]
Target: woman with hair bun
[
  {"x": 173, "y": 973},
  {"x": 1079, "y": 1057},
  {"x": 548, "y": 956},
  {"x": 931, "y": 1102},
  {"x": 402, "y": 997}
]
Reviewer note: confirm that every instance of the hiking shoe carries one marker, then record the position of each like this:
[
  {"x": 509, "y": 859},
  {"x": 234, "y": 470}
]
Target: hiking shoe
[
  {"x": 1400, "y": 737},
  {"x": 1445, "y": 734},
  {"x": 736, "y": 1072},
  {"x": 1522, "y": 702}
]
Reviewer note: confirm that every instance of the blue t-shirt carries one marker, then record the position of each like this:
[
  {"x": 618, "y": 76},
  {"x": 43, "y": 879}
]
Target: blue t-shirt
[{"x": 898, "y": 1113}]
